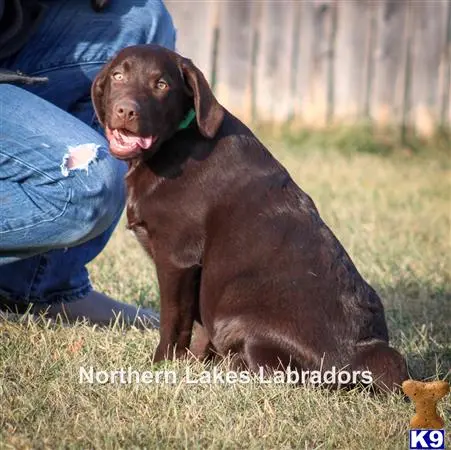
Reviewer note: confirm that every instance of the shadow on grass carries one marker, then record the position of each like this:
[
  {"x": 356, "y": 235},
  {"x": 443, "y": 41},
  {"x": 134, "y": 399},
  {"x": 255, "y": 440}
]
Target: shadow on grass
[{"x": 419, "y": 321}]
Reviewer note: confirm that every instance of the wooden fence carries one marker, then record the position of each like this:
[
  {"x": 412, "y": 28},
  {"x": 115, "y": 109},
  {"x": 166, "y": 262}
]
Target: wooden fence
[{"x": 317, "y": 62}]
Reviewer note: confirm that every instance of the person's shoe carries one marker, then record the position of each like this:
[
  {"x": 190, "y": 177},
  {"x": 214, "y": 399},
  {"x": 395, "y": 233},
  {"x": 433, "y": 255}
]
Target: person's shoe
[
  {"x": 96, "y": 308},
  {"x": 9, "y": 307}
]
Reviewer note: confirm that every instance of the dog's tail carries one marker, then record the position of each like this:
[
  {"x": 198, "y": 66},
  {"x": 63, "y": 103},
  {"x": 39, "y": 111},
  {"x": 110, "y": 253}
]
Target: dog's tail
[{"x": 387, "y": 366}]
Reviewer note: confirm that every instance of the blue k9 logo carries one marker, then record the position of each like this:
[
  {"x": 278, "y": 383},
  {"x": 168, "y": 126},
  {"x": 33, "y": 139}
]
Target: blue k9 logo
[{"x": 426, "y": 439}]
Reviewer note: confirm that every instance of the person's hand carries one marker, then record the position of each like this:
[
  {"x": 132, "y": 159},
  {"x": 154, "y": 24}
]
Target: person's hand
[{"x": 98, "y": 4}]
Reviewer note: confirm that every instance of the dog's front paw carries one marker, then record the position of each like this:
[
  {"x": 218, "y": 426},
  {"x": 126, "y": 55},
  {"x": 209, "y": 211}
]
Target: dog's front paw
[{"x": 160, "y": 354}]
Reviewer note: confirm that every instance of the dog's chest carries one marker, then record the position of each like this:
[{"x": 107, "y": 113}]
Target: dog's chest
[
  {"x": 136, "y": 210},
  {"x": 166, "y": 214},
  {"x": 139, "y": 228}
]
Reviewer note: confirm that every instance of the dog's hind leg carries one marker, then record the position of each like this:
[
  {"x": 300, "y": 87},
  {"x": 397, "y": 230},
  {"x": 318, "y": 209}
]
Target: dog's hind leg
[{"x": 264, "y": 355}]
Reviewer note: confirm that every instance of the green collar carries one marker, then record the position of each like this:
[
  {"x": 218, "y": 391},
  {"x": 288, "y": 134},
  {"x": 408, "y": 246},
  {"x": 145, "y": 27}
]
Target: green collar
[{"x": 186, "y": 122}]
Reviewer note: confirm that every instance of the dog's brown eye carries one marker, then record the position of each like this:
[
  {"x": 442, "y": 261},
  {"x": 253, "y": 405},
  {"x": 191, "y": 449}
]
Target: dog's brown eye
[
  {"x": 118, "y": 76},
  {"x": 161, "y": 84}
]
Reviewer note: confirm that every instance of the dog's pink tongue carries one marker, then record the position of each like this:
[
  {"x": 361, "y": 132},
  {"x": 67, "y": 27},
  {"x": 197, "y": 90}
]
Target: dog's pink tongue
[{"x": 132, "y": 140}]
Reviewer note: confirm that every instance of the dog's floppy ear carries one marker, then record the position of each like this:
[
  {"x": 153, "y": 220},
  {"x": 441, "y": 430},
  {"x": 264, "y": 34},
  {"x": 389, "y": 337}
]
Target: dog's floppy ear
[
  {"x": 98, "y": 91},
  {"x": 209, "y": 113}
]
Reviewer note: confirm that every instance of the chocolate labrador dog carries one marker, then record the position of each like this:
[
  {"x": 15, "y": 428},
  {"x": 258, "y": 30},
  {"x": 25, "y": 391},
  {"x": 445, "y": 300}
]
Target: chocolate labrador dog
[{"x": 238, "y": 246}]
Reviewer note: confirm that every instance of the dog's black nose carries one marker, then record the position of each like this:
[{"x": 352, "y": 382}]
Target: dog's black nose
[{"x": 127, "y": 110}]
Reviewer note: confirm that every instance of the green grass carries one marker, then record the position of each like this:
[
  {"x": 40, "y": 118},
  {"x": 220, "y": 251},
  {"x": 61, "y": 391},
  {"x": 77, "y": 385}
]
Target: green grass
[
  {"x": 392, "y": 213},
  {"x": 366, "y": 138}
]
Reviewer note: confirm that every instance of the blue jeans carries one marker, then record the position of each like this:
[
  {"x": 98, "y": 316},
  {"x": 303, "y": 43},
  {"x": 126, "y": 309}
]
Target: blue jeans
[{"x": 55, "y": 216}]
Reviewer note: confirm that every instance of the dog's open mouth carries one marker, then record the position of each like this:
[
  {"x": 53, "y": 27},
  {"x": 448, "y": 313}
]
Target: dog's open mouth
[{"x": 123, "y": 143}]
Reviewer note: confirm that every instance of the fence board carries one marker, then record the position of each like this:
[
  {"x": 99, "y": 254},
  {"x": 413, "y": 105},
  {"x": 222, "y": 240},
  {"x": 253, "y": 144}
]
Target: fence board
[
  {"x": 304, "y": 63},
  {"x": 429, "y": 37},
  {"x": 273, "y": 99},
  {"x": 314, "y": 87},
  {"x": 389, "y": 63},
  {"x": 352, "y": 59},
  {"x": 234, "y": 64},
  {"x": 445, "y": 74},
  {"x": 195, "y": 22}
]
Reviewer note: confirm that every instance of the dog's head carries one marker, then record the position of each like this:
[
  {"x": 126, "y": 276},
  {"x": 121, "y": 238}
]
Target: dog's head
[{"x": 143, "y": 95}]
